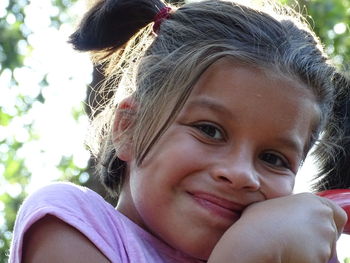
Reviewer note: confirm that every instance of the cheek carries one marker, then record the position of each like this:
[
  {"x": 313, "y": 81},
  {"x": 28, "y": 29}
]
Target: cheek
[
  {"x": 175, "y": 155},
  {"x": 165, "y": 167},
  {"x": 278, "y": 186}
]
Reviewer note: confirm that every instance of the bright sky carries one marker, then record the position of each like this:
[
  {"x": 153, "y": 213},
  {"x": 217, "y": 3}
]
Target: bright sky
[{"x": 69, "y": 73}]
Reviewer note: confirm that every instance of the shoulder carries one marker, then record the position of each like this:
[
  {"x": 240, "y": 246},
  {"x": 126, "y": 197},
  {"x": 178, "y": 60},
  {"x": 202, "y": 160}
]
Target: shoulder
[
  {"x": 56, "y": 192},
  {"x": 50, "y": 239},
  {"x": 60, "y": 190},
  {"x": 61, "y": 199},
  {"x": 61, "y": 211}
]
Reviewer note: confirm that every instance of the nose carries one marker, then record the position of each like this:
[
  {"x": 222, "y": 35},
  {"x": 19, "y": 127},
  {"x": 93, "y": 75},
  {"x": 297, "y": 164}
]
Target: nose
[{"x": 238, "y": 172}]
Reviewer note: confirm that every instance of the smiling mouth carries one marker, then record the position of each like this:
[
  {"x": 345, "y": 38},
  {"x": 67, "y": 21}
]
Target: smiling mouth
[{"x": 218, "y": 207}]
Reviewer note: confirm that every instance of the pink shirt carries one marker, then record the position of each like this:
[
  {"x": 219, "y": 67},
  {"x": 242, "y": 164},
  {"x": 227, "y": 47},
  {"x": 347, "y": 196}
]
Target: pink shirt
[{"x": 117, "y": 237}]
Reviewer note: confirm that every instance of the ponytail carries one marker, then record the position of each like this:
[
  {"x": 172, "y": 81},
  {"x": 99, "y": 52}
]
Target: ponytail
[{"x": 111, "y": 23}]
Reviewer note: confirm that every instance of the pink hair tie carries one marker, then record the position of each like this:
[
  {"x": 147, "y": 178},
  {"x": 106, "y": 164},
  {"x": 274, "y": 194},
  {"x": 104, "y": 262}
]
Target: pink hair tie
[{"x": 163, "y": 14}]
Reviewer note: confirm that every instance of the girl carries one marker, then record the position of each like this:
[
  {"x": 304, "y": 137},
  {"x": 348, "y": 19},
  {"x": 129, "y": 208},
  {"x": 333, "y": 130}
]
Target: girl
[{"x": 224, "y": 102}]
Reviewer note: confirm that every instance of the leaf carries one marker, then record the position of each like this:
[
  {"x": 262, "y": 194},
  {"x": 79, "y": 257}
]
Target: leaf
[{"x": 5, "y": 118}]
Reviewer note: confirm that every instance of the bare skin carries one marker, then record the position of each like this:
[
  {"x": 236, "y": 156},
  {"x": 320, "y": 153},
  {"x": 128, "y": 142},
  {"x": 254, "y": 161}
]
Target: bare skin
[
  {"x": 260, "y": 236},
  {"x": 52, "y": 240},
  {"x": 219, "y": 156}
]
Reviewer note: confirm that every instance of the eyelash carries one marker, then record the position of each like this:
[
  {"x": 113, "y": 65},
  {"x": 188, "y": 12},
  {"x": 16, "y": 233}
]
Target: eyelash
[
  {"x": 282, "y": 160},
  {"x": 203, "y": 128}
]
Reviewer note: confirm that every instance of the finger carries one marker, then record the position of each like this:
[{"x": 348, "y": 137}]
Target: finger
[{"x": 339, "y": 215}]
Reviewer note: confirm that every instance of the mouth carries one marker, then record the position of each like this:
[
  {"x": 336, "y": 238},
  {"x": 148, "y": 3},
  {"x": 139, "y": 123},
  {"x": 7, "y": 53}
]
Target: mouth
[{"x": 217, "y": 206}]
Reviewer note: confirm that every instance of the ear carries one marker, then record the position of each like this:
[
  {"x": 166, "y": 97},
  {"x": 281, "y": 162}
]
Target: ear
[{"x": 123, "y": 119}]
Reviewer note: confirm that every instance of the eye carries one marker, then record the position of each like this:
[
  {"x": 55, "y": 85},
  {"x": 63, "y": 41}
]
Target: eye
[
  {"x": 274, "y": 159},
  {"x": 210, "y": 130}
]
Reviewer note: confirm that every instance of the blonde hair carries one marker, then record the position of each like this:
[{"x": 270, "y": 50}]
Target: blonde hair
[{"x": 160, "y": 70}]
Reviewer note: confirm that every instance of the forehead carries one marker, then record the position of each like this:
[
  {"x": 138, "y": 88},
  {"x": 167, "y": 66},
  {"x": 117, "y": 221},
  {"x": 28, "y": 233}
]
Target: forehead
[{"x": 228, "y": 80}]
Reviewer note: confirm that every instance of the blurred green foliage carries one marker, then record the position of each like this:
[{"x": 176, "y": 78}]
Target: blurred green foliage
[
  {"x": 12, "y": 31},
  {"x": 14, "y": 174},
  {"x": 330, "y": 20}
]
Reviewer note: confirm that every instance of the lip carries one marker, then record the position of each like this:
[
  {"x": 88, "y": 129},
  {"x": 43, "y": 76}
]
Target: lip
[{"x": 218, "y": 206}]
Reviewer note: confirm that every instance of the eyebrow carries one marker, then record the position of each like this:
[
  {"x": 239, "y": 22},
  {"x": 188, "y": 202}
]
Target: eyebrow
[{"x": 207, "y": 102}]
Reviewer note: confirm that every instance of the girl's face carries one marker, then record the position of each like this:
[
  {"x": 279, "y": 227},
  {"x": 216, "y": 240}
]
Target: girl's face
[{"x": 239, "y": 139}]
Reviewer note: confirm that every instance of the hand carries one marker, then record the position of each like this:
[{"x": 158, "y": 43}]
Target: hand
[{"x": 301, "y": 228}]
